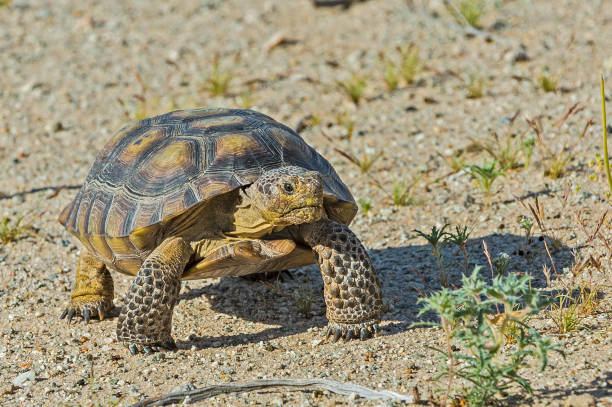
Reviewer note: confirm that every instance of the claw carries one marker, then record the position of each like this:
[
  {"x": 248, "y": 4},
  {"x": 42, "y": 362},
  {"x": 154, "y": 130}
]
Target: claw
[
  {"x": 329, "y": 333},
  {"x": 71, "y": 315},
  {"x": 147, "y": 350},
  {"x": 337, "y": 335},
  {"x": 350, "y": 334},
  {"x": 363, "y": 334},
  {"x": 132, "y": 349},
  {"x": 376, "y": 330},
  {"x": 100, "y": 313},
  {"x": 86, "y": 315},
  {"x": 64, "y": 314}
]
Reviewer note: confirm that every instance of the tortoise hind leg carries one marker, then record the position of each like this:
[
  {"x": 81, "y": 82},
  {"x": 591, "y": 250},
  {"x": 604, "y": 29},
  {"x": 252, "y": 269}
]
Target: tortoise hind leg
[
  {"x": 145, "y": 322},
  {"x": 93, "y": 290}
]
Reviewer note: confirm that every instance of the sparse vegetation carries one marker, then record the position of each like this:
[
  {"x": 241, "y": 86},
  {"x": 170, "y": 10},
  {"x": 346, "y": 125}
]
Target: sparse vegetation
[
  {"x": 411, "y": 63},
  {"x": 303, "y": 297},
  {"x": 476, "y": 332},
  {"x": 485, "y": 175},
  {"x": 467, "y": 12},
  {"x": 11, "y": 231},
  {"x": 367, "y": 160},
  {"x": 606, "y": 159},
  {"x": 365, "y": 205},
  {"x": 547, "y": 81},
  {"x": 354, "y": 86},
  {"x": 435, "y": 238},
  {"x": 460, "y": 238},
  {"x": 475, "y": 86},
  {"x": 402, "y": 193},
  {"x": 346, "y": 121},
  {"x": 390, "y": 75},
  {"x": 218, "y": 81},
  {"x": 564, "y": 313}
]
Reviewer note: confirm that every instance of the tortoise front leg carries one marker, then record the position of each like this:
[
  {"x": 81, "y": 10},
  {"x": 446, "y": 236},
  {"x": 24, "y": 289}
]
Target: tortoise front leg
[
  {"x": 93, "y": 290},
  {"x": 352, "y": 291},
  {"x": 145, "y": 322}
]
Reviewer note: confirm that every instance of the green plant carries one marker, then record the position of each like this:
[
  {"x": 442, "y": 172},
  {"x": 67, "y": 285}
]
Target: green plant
[
  {"x": 303, "y": 298},
  {"x": 548, "y": 82},
  {"x": 365, "y": 205},
  {"x": 475, "y": 87},
  {"x": 366, "y": 161},
  {"x": 466, "y": 12},
  {"x": 564, "y": 314},
  {"x": 460, "y": 238},
  {"x": 526, "y": 223},
  {"x": 485, "y": 175},
  {"x": 528, "y": 147},
  {"x": 402, "y": 193},
  {"x": 501, "y": 263},
  {"x": 555, "y": 160},
  {"x": 390, "y": 75},
  {"x": 505, "y": 150},
  {"x": 476, "y": 333},
  {"x": 346, "y": 120},
  {"x": 12, "y": 231},
  {"x": 605, "y": 137},
  {"x": 219, "y": 80},
  {"x": 435, "y": 239},
  {"x": 411, "y": 63},
  {"x": 354, "y": 86}
]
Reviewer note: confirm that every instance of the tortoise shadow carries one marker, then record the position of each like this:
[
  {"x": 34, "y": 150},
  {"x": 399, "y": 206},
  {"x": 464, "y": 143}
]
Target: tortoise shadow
[{"x": 292, "y": 306}]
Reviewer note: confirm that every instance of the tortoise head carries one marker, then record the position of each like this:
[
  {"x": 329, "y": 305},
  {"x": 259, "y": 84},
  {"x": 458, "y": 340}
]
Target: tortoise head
[{"x": 288, "y": 196}]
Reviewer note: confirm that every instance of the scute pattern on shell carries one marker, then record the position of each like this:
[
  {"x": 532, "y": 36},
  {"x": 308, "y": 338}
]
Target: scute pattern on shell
[{"x": 159, "y": 167}]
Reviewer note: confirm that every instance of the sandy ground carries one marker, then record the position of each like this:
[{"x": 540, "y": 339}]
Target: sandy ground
[{"x": 72, "y": 73}]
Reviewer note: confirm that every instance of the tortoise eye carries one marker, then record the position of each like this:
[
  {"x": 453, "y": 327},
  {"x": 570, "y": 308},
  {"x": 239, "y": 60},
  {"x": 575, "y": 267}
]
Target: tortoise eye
[{"x": 288, "y": 188}]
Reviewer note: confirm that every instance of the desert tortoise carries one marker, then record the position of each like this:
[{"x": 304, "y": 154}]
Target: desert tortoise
[{"x": 206, "y": 193}]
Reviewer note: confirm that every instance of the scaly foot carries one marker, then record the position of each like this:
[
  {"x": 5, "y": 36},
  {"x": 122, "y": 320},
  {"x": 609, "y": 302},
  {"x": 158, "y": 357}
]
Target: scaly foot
[{"x": 88, "y": 306}]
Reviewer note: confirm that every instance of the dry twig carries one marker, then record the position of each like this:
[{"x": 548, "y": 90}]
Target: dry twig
[{"x": 188, "y": 397}]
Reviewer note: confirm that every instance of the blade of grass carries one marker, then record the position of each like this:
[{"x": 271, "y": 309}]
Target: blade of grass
[{"x": 605, "y": 135}]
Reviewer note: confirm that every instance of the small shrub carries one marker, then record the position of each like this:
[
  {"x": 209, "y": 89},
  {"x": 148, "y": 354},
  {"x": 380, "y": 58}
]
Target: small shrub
[
  {"x": 485, "y": 175},
  {"x": 346, "y": 120},
  {"x": 411, "y": 63},
  {"x": 556, "y": 159},
  {"x": 475, "y": 87},
  {"x": 13, "y": 231},
  {"x": 435, "y": 238},
  {"x": 365, "y": 205},
  {"x": 564, "y": 313},
  {"x": 548, "y": 82},
  {"x": 460, "y": 239},
  {"x": 390, "y": 75},
  {"x": 219, "y": 80},
  {"x": 354, "y": 86},
  {"x": 467, "y": 12},
  {"x": 476, "y": 332},
  {"x": 303, "y": 298},
  {"x": 402, "y": 194}
]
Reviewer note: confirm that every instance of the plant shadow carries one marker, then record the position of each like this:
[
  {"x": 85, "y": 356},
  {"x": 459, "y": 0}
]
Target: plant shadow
[{"x": 407, "y": 273}]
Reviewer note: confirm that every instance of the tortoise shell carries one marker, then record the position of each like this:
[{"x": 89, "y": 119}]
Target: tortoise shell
[{"x": 155, "y": 169}]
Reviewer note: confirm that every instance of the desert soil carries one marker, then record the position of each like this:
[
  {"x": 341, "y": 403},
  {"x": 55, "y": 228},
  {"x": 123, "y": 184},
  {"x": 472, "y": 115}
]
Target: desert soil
[{"x": 73, "y": 72}]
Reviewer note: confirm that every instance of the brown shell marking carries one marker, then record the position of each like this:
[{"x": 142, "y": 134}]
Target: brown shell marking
[{"x": 157, "y": 168}]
